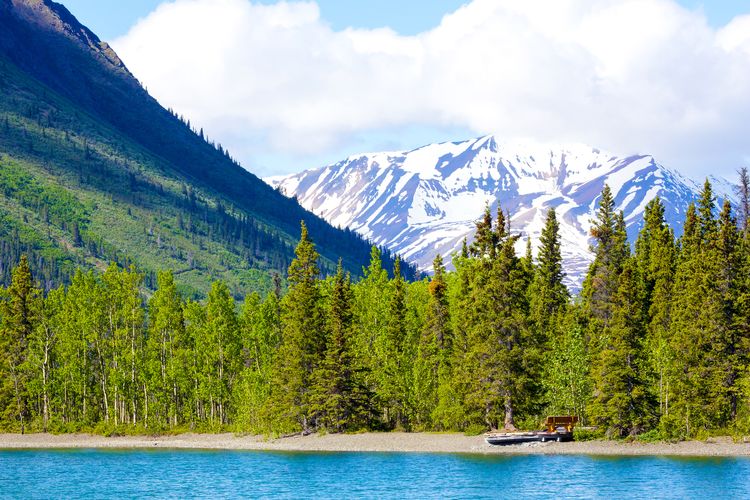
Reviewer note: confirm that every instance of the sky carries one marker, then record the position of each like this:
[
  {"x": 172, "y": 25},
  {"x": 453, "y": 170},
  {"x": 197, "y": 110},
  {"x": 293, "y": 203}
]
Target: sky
[{"x": 287, "y": 86}]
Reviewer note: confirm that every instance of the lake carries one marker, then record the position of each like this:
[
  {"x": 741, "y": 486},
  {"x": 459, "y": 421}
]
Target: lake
[{"x": 181, "y": 473}]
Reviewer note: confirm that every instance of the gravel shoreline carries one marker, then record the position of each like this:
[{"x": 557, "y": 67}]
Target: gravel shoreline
[{"x": 377, "y": 442}]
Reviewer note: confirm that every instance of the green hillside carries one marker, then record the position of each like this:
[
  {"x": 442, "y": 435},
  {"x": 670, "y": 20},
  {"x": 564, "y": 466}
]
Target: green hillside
[{"x": 94, "y": 170}]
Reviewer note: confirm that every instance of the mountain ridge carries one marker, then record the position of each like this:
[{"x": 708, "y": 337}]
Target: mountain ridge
[
  {"x": 148, "y": 188},
  {"x": 425, "y": 201}
]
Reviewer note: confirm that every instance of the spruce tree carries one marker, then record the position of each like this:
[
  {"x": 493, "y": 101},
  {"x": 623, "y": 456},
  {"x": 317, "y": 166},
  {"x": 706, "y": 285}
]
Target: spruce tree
[
  {"x": 432, "y": 368},
  {"x": 656, "y": 256},
  {"x": 485, "y": 238},
  {"x": 707, "y": 223},
  {"x": 339, "y": 397},
  {"x": 302, "y": 342},
  {"x": 622, "y": 403},
  {"x": 20, "y": 313},
  {"x": 548, "y": 293},
  {"x": 701, "y": 328},
  {"x": 610, "y": 250},
  {"x": 452, "y": 411},
  {"x": 730, "y": 333},
  {"x": 395, "y": 381},
  {"x": 499, "y": 350},
  {"x": 742, "y": 320}
]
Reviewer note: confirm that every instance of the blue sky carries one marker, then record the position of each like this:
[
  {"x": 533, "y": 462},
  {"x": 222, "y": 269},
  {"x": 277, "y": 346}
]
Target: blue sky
[
  {"x": 647, "y": 78},
  {"x": 112, "y": 18}
]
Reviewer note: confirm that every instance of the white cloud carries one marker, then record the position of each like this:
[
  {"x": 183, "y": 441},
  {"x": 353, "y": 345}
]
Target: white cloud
[{"x": 629, "y": 76}]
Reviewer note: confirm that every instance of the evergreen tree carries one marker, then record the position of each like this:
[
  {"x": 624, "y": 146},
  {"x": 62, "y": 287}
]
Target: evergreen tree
[
  {"x": 498, "y": 347},
  {"x": 610, "y": 250},
  {"x": 452, "y": 411},
  {"x": 302, "y": 342},
  {"x": 20, "y": 314},
  {"x": 432, "y": 370},
  {"x": 656, "y": 256},
  {"x": 339, "y": 398},
  {"x": 394, "y": 384},
  {"x": 485, "y": 239},
  {"x": 730, "y": 333},
  {"x": 707, "y": 223},
  {"x": 742, "y": 323},
  {"x": 701, "y": 329},
  {"x": 622, "y": 403},
  {"x": 548, "y": 293},
  {"x": 602, "y": 282}
]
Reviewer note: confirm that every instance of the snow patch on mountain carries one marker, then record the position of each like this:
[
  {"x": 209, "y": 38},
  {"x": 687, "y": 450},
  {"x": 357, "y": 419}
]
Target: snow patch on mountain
[{"x": 426, "y": 201}]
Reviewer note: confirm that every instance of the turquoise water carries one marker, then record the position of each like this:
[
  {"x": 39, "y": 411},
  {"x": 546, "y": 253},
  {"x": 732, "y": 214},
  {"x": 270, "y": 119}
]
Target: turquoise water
[{"x": 205, "y": 474}]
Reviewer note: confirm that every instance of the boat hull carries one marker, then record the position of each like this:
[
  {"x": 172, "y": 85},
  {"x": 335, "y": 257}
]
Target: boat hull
[{"x": 511, "y": 438}]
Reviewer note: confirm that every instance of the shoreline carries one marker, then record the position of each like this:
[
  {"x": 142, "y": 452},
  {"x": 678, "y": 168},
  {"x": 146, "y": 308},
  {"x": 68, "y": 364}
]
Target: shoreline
[{"x": 396, "y": 442}]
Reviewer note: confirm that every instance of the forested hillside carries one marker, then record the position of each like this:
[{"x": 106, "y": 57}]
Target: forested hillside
[
  {"x": 93, "y": 170},
  {"x": 658, "y": 343}
]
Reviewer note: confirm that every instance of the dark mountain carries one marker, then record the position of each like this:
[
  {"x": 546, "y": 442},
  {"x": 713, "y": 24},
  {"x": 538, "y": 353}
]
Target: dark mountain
[{"x": 93, "y": 169}]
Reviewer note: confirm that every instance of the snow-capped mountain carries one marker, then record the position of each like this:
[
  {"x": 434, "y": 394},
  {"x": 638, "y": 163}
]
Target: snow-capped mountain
[{"x": 426, "y": 201}]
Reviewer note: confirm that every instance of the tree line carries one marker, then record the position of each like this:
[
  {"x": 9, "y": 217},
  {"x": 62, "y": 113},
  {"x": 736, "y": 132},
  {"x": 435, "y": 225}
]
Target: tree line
[{"x": 657, "y": 342}]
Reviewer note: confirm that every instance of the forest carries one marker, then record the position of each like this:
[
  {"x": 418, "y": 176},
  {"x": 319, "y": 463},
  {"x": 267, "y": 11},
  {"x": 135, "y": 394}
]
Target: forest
[{"x": 656, "y": 344}]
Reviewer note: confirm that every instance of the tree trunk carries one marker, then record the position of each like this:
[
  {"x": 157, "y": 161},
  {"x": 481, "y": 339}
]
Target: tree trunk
[
  {"x": 45, "y": 395},
  {"x": 132, "y": 376},
  {"x": 509, "y": 424},
  {"x": 145, "y": 406}
]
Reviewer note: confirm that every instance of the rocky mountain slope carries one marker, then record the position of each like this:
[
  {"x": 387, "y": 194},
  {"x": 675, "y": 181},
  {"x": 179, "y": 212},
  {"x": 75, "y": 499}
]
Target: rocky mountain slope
[
  {"x": 93, "y": 170},
  {"x": 425, "y": 201}
]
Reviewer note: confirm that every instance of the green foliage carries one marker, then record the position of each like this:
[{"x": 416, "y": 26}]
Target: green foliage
[
  {"x": 432, "y": 367},
  {"x": 656, "y": 256},
  {"x": 610, "y": 250},
  {"x": 656, "y": 348},
  {"x": 20, "y": 313},
  {"x": 340, "y": 399},
  {"x": 566, "y": 378},
  {"x": 548, "y": 293},
  {"x": 302, "y": 342},
  {"x": 622, "y": 403},
  {"x": 84, "y": 187},
  {"x": 497, "y": 361}
]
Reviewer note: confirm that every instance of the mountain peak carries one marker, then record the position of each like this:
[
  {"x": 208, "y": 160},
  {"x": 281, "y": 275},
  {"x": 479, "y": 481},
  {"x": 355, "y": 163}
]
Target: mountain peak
[
  {"x": 426, "y": 201},
  {"x": 55, "y": 18}
]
